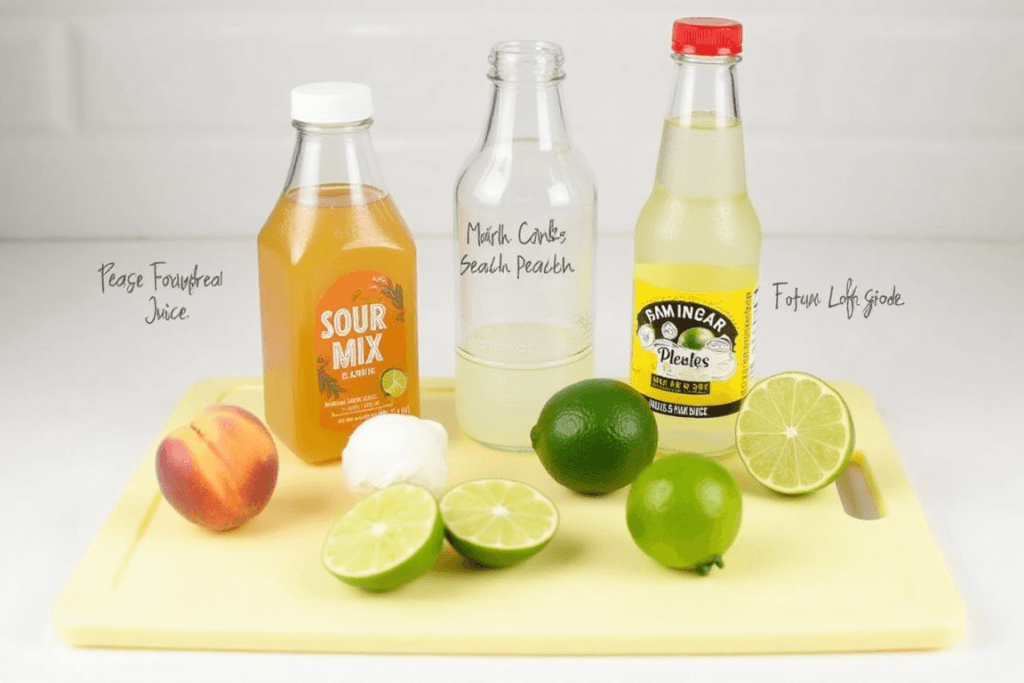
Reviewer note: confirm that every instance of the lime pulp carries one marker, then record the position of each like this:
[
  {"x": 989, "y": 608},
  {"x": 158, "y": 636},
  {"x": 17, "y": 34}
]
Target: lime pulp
[
  {"x": 794, "y": 433},
  {"x": 385, "y": 540},
  {"x": 498, "y": 522}
]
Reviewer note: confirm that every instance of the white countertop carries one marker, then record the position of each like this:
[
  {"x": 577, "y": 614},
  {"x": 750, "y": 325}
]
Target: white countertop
[{"x": 87, "y": 385}]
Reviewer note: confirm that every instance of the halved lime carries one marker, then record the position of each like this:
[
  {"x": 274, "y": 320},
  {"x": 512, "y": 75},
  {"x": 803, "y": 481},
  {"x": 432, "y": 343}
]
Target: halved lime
[
  {"x": 385, "y": 540},
  {"x": 498, "y": 522},
  {"x": 794, "y": 433},
  {"x": 393, "y": 382}
]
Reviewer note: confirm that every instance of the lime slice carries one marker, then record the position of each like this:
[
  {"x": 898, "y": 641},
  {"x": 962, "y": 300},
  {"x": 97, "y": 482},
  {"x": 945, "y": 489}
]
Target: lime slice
[
  {"x": 497, "y": 522},
  {"x": 794, "y": 433},
  {"x": 394, "y": 382},
  {"x": 385, "y": 540}
]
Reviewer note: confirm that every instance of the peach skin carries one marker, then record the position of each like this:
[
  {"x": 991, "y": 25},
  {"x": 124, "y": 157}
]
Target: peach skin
[{"x": 220, "y": 470}]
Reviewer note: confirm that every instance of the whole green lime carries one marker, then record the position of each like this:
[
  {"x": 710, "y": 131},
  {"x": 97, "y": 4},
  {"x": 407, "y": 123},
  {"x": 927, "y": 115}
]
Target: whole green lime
[
  {"x": 695, "y": 338},
  {"x": 595, "y": 436},
  {"x": 684, "y": 511}
]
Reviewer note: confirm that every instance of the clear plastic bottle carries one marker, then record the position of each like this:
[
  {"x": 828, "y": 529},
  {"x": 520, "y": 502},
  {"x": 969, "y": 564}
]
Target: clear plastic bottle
[
  {"x": 524, "y": 234},
  {"x": 337, "y": 270},
  {"x": 698, "y": 247}
]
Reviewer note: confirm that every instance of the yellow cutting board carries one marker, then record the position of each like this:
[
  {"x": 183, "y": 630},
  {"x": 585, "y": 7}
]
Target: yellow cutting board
[{"x": 802, "y": 576}]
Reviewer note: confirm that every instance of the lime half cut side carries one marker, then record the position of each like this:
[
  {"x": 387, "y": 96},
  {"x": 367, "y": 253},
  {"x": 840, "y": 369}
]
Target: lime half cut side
[
  {"x": 794, "y": 433},
  {"x": 385, "y": 540},
  {"x": 394, "y": 382},
  {"x": 498, "y": 522}
]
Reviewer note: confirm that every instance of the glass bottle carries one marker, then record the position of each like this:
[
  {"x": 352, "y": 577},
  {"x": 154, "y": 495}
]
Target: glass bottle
[
  {"x": 337, "y": 272},
  {"x": 697, "y": 252},
  {"x": 525, "y": 208}
]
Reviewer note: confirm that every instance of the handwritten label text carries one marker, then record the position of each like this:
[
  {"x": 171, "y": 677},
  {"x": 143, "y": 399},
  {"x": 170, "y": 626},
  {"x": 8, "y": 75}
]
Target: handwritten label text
[
  {"x": 164, "y": 280},
  {"x": 849, "y": 298}
]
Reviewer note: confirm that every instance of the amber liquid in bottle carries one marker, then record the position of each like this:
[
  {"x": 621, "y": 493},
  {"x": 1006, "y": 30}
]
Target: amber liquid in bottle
[{"x": 337, "y": 270}]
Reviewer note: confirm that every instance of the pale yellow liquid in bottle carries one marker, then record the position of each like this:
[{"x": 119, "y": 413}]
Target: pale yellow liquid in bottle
[
  {"x": 698, "y": 232},
  {"x": 507, "y": 371},
  {"x": 314, "y": 236}
]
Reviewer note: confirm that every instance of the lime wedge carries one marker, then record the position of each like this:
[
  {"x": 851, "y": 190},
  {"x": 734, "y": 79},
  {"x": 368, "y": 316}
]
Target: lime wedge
[
  {"x": 393, "y": 382},
  {"x": 497, "y": 522},
  {"x": 794, "y": 433},
  {"x": 385, "y": 540}
]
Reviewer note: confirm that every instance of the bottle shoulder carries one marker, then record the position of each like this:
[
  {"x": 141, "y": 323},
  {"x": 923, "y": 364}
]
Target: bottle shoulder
[
  {"x": 519, "y": 173},
  {"x": 326, "y": 226}
]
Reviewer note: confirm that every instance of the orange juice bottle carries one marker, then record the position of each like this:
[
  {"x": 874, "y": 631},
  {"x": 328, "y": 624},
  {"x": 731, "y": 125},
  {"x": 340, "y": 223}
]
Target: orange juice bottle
[{"x": 337, "y": 271}]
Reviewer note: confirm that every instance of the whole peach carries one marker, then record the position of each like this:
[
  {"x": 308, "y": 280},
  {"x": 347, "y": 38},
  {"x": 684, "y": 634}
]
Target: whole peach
[{"x": 220, "y": 470}]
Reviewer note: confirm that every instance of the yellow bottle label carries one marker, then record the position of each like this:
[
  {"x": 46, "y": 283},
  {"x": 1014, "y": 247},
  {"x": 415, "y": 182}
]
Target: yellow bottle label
[{"x": 691, "y": 350}]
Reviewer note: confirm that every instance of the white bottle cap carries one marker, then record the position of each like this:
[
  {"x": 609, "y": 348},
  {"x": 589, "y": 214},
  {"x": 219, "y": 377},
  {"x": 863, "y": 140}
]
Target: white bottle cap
[{"x": 332, "y": 103}]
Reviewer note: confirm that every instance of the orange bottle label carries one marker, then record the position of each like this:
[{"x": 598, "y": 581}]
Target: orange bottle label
[{"x": 361, "y": 350}]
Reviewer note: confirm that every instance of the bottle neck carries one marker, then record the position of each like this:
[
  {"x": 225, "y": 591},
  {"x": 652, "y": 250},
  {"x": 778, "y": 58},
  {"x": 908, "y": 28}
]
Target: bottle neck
[
  {"x": 702, "y": 146},
  {"x": 705, "y": 89},
  {"x": 526, "y": 113},
  {"x": 340, "y": 157},
  {"x": 527, "y": 103}
]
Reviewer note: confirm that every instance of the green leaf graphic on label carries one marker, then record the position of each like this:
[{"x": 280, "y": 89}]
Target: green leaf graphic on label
[{"x": 328, "y": 385}]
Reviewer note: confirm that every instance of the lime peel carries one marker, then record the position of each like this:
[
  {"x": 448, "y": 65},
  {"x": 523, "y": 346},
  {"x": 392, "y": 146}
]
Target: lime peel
[
  {"x": 684, "y": 511},
  {"x": 595, "y": 436}
]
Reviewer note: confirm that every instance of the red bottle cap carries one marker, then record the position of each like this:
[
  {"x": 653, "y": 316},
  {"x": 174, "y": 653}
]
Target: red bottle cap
[{"x": 707, "y": 37}]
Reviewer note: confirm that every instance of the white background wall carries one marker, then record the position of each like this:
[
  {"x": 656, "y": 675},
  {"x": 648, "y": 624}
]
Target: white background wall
[{"x": 161, "y": 118}]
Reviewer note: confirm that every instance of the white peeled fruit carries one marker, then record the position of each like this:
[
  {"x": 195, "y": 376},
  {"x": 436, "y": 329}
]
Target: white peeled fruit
[{"x": 396, "y": 449}]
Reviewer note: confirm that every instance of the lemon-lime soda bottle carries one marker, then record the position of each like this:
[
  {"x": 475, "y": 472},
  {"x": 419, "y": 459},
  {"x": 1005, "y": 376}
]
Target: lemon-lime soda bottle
[{"x": 698, "y": 246}]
